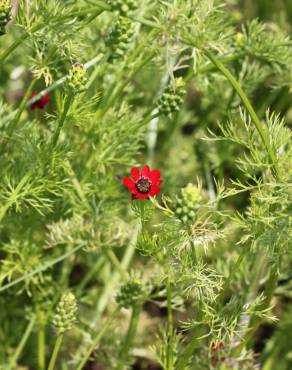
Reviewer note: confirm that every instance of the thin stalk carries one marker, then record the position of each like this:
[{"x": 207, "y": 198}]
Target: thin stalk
[
  {"x": 170, "y": 326},
  {"x": 67, "y": 104},
  {"x": 127, "y": 344},
  {"x": 22, "y": 343},
  {"x": 102, "y": 5},
  {"x": 105, "y": 327},
  {"x": 42, "y": 268},
  {"x": 255, "y": 119},
  {"x": 270, "y": 287},
  {"x": 41, "y": 344},
  {"x": 233, "y": 271},
  {"x": 19, "y": 41},
  {"x": 152, "y": 137},
  {"x": 55, "y": 352},
  {"x": 41, "y": 25},
  {"x": 90, "y": 274},
  {"x": 60, "y": 82},
  {"x": 116, "y": 263},
  {"x": 14, "y": 123},
  {"x": 111, "y": 101},
  {"x": 108, "y": 289},
  {"x": 41, "y": 348},
  {"x": 187, "y": 353},
  {"x": 210, "y": 67},
  {"x": 272, "y": 282}
]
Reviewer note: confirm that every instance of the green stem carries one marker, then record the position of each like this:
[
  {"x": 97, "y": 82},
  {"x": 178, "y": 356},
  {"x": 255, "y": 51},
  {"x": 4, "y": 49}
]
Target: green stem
[
  {"x": 60, "y": 82},
  {"x": 99, "y": 335},
  {"x": 108, "y": 289},
  {"x": 210, "y": 67},
  {"x": 67, "y": 104},
  {"x": 55, "y": 352},
  {"x": 41, "y": 344},
  {"x": 270, "y": 287},
  {"x": 90, "y": 275},
  {"x": 170, "y": 326},
  {"x": 18, "y": 42},
  {"x": 187, "y": 353},
  {"x": 14, "y": 123},
  {"x": 127, "y": 344},
  {"x": 233, "y": 271},
  {"x": 255, "y": 119},
  {"x": 22, "y": 343},
  {"x": 41, "y": 348},
  {"x": 41, "y": 268},
  {"x": 111, "y": 101},
  {"x": 41, "y": 25},
  {"x": 116, "y": 263}
]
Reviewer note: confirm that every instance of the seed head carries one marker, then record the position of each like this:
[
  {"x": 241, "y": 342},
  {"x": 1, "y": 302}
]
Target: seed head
[
  {"x": 124, "y": 7},
  {"x": 130, "y": 293},
  {"x": 5, "y": 15},
  {"x": 188, "y": 203},
  {"x": 172, "y": 98},
  {"x": 65, "y": 313},
  {"x": 77, "y": 78},
  {"x": 120, "y": 38}
]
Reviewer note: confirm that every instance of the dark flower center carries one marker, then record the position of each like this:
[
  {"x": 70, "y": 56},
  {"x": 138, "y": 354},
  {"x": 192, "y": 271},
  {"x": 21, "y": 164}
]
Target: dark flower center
[{"x": 143, "y": 185}]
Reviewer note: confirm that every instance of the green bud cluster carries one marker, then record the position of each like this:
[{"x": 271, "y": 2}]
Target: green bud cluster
[
  {"x": 188, "y": 203},
  {"x": 120, "y": 38},
  {"x": 130, "y": 293},
  {"x": 65, "y": 313},
  {"x": 5, "y": 15},
  {"x": 124, "y": 7},
  {"x": 77, "y": 79},
  {"x": 240, "y": 40},
  {"x": 172, "y": 98}
]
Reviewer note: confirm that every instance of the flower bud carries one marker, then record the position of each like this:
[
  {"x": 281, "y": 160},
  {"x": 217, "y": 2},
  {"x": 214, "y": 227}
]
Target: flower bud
[
  {"x": 172, "y": 98},
  {"x": 65, "y": 313},
  {"x": 188, "y": 203},
  {"x": 120, "y": 38},
  {"x": 124, "y": 7},
  {"x": 130, "y": 293},
  {"x": 77, "y": 79},
  {"x": 240, "y": 40},
  {"x": 5, "y": 15}
]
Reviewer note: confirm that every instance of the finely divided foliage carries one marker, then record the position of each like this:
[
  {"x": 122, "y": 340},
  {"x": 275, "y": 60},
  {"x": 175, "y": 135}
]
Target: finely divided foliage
[{"x": 190, "y": 272}]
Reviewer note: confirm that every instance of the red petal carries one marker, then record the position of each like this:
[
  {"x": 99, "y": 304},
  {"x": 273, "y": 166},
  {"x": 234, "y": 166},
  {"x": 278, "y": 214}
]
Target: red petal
[
  {"x": 45, "y": 99},
  {"x": 145, "y": 171},
  {"x": 129, "y": 183},
  {"x": 155, "y": 175},
  {"x": 141, "y": 195},
  {"x": 154, "y": 190},
  {"x": 135, "y": 173}
]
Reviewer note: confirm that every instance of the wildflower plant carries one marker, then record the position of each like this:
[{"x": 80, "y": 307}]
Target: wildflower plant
[{"x": 152, "y": 137}]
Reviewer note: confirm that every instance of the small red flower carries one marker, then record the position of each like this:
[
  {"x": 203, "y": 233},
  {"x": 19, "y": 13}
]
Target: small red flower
[
  {"x": 144, "y": 183},
  {"x": 41, "y": 103}
]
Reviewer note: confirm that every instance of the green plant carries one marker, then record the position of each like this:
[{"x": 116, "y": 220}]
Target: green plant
[{"x": 188, "y": 272}]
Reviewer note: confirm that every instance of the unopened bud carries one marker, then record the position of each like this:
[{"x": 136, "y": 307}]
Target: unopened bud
[
  {"x": 5, "y": 15},
  {"x": 65, "y": 313},
  {"x": 77, "y": 78},
  {"x": 172, "y": 98}
]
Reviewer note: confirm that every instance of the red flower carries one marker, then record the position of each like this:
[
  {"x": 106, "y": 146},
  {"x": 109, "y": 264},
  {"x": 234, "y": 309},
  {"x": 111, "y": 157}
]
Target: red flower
[
  {"x": 41, "y": 103},
  {"x": 143, "y": 184}
]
